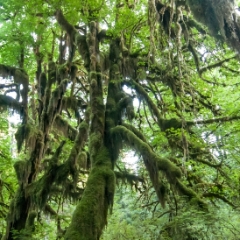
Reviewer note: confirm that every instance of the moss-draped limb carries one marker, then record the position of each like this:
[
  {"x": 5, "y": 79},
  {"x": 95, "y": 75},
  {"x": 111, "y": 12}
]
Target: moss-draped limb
[
  {"x": 76, "y": 40},
  {"x": 62, "y": 125},
  {"x": 126, "y": 177},
  {"x": 163, "y": 123},
  {"x": 39, "y": 190},
  {"x": 215, "y": 120},
  {"x": 19, "y": 77},
  {"x": 21, "y": 204},
  {"x": 71, "y": 166},
  {"x": 135, "y": 131},
  {"x": 152, "y": 162},
  {"x": 218, "y": 196},
  {"x": 90, "y": 216},
  {"x": 56, "y": 174},
  {"x": 220, "y": 17},
  {"x": 192, "y": 195},
  {"x": 9, "y": 102}
]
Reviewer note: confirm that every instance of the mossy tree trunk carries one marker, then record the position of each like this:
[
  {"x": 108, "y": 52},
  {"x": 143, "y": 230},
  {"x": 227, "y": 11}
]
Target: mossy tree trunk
[{"x": 90, "y": 216}]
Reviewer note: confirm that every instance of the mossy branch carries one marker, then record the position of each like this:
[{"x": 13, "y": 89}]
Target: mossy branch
[
  {"x": 152, "y": 162},
  {"x": 216, "y": 195},
  {"x": 62, "y": 125},
  {"x": 215, "y": 120},
  {"x": 9, "y": 102},
  {"x": 215, "y": 65},
  {"x": 63, "y": 22},
  {"x": 192, "y": 195},
  {"x": 40, "y": 190},
  {"x": 144, "y": 149},
  {"x": 135, "y": 131},
  {"x": 128, "y": 177},
  {"x": 19, "y": 76},
  {"x": 152, "y": 107},
  {"x": 220, "y": 17}
]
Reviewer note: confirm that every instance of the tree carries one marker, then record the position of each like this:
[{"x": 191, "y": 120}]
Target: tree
[{"x": 74, "y": 70}]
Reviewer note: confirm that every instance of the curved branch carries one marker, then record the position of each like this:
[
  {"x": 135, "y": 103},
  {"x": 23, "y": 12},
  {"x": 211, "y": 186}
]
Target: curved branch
[
  {"x": 152, "y": 162},
  {"x": 152, "y": 107},
  {"x": 215, "y": 65},
  {"x": 216, "y": 166},
  {"x": 128, "y": 177},
  {"x": 7, "y": 101},
  {"x": 144, "y": 149},
  {"x": 190, "y": 193},
  {"x": 215, "y": 195},
  {"x": 209, "y": 121}
]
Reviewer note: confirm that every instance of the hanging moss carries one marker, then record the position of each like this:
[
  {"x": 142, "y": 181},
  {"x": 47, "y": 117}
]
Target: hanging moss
[
  {"x": 9, "y": 102},
  {"x": 129, "y": 178},
  {"x": 152, "y": 162},
  {"x": 220, "y": 17},
  {"x": 22, "y": 135},
  {"x": 23, "y": 169},
  {"x": 40, "y": 190},
  {"x": 71, "y": 165},
  {"x": 63, "y": 126}
]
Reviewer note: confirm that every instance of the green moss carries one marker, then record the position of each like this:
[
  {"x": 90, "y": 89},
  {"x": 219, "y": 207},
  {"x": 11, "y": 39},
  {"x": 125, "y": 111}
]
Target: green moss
[
  {"x": 82, "y": 160},
  {"x": 95, "y": 143},
  {"x": 152, "y": 162},
  {"x": 22, "y": 135},
  {"x": 152, "y": 107},
  {"x": 22, "y": 169},
  {"x": 183, "y": 189},
  {"x": 83, "y": 125},
  {"x": 90, "y": 216}
]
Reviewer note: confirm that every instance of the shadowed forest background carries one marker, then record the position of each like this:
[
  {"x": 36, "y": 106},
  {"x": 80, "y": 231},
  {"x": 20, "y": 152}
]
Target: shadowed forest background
[{"x": 119, "y": 119}]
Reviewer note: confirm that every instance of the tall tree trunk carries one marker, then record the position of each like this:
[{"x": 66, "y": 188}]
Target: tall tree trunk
[{"x": 90, "y": 216}]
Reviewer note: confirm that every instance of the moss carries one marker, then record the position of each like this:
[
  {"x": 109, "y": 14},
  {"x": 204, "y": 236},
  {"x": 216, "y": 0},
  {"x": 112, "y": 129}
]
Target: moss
[
  {"x": 102, "y": 158},
  {"x": 22, "y": 135},
  {"x": 219, "y": 17},
  {"x": 63, "y": 126},
  {"x": 30, "y": 221},
  {"x": 83, "y": 126},
  {"x": 22, "y": 169},
  {"x": 152, "y": 162},
  {"x": 95, "y": 143},
  {"x": 183, "y": 189},
  {"x": 170, "y": 168},
  {"x": 82, "y": 160},
  {"x": 152, "y": 107},
  {"x": 90, "y": 215}
]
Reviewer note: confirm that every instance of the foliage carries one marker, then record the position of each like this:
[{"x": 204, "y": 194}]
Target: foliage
[{"x": 93, "y": 81}]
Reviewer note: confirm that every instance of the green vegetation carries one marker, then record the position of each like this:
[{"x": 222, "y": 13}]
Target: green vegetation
[{"x": 86, "y": 87}]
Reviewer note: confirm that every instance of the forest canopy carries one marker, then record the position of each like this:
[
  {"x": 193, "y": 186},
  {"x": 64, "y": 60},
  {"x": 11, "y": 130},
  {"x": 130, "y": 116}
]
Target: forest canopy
[{"x": 88, "y": 88}]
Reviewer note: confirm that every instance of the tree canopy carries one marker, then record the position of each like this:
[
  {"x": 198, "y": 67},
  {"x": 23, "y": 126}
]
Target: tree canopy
[{"x": 98, "y": 83}]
